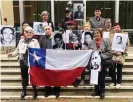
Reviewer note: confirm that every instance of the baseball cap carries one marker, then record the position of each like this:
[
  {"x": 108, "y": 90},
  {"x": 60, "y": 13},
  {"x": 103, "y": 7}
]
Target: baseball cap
[
  {"x": 70, "y": 22},
  {"x": 67, "y": 9}
]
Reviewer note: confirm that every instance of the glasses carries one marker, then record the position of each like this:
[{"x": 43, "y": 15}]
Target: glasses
[
  {"x": 97, "y": 10},
  {"x": 96, "y": 33},
  {"x": 47, "y": 29},
  {"x": 28, "y": 32}
]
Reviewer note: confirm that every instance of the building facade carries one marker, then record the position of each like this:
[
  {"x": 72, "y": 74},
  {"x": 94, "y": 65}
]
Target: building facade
[
  {"x": 32, "y": 9},
  {"x": 118, "y": 11}
]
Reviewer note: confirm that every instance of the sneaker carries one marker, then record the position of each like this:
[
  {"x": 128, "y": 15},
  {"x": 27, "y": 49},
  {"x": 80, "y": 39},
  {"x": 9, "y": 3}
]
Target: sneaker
[
  {"x": 118, "y": 85},
  {"x": 75, "y": 84},
  {"x": 81, "y": 83},
  {"x": 57, "y": 94},
  {"x": 112, "y": 85}
]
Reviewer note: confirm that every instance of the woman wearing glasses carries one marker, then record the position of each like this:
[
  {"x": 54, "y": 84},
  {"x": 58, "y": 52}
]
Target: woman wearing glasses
[{"x": 22, "y": 50}]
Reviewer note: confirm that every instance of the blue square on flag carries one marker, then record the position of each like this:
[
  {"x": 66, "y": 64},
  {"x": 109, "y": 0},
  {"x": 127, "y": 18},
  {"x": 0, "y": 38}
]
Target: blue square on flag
[{"x": 37, "y": 57}]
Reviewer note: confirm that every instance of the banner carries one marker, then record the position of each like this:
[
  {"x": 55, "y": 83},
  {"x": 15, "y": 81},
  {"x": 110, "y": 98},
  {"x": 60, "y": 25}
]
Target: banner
[
  {"x": 50, "y": 67},
  {"x": 95, "y": 67}
]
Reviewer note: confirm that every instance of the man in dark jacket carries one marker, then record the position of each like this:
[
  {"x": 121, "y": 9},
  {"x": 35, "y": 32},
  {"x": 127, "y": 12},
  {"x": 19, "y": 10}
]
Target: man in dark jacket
[
  {"x": 79, "y": 14},
  {"x": 46, "y": 42},
  {"x": 97, "y": 21}
]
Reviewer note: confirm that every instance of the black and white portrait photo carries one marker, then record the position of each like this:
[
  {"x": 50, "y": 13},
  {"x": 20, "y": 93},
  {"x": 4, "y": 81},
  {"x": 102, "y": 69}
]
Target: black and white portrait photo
[
  {"x": 119, "y": 42},
  {"x": 59, "y": 43},
  {"x": 78, "y": 11},
  {"x": 8, "y": 36},
  {"x": 95, "y": 61},
  {"x": 73, "y": 36},
  {"x": 86, "y": 38},
  {"x": 39, "y": 28}
]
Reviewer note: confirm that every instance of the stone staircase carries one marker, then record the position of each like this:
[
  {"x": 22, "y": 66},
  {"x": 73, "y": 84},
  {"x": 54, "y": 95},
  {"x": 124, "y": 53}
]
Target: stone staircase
[{"x": 11, "y": 82}]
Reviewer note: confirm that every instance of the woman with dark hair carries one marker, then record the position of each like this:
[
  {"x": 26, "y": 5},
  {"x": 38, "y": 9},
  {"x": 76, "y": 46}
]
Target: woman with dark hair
[
  {"x": 7, "y": 36},
  {"x": 101, "y": 45},
  {"x": 24, "y": 25}
]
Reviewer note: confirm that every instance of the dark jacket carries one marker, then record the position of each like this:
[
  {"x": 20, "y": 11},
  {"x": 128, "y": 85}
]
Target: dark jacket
[
  {"x": 97, "y": 24},
  {"x": 43, "y": 42},
  {"x": 76, "y": 15}
]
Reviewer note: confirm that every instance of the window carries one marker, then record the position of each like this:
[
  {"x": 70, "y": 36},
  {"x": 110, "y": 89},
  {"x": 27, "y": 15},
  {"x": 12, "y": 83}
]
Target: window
[
  {"x": 59, "y": 10},
  {"x": 43, "y": 6},
  {"x": 126, "y": 14},
  {"x": 16, "y": 12}
]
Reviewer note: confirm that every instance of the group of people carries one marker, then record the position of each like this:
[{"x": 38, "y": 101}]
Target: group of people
[{"x": 93, "y": 30}]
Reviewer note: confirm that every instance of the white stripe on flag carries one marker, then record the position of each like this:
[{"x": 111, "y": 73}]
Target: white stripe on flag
[{"x": 67, "y": 59}]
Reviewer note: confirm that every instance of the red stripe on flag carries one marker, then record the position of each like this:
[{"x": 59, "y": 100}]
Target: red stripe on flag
[{"x": 45, "y": 77}]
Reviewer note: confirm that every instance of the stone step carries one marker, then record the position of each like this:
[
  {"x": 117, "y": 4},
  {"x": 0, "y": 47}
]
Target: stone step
[
  {"x": 8, "y": 58},
  {"x": 107, "y": 82},
  {"x": 86, "y": 83},
  {"x": 67, "y": 87},
  {"x": 64, "y": 95},
  {"x": 8, "y": 64}
]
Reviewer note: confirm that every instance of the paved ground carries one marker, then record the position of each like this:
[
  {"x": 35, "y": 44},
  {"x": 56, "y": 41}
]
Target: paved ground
[{"x": 72, "y": 100}]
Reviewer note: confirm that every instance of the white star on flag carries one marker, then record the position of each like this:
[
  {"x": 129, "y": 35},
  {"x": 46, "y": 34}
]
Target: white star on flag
[{"x": 36, "y": 58}]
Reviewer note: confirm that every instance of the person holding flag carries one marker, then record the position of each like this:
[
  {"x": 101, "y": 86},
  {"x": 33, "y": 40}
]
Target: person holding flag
[
  {"x": 46, "y": 42},
  {"x": 22, "y": 50}
]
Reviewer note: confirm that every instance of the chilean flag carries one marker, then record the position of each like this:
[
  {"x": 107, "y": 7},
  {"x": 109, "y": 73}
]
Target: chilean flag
[{"x": 50, "y": 67}]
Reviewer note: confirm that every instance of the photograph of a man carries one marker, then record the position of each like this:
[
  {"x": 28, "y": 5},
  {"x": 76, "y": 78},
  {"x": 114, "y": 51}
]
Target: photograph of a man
[
  {"x": 8, "y": 36},
  {"x": 59, "y": 43},
  {"x": 74, "y": 37},
  {"x": 95, "y": 61},
  {"x": 119, "y": 40},
  {"x": 78, "y": 13}
]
